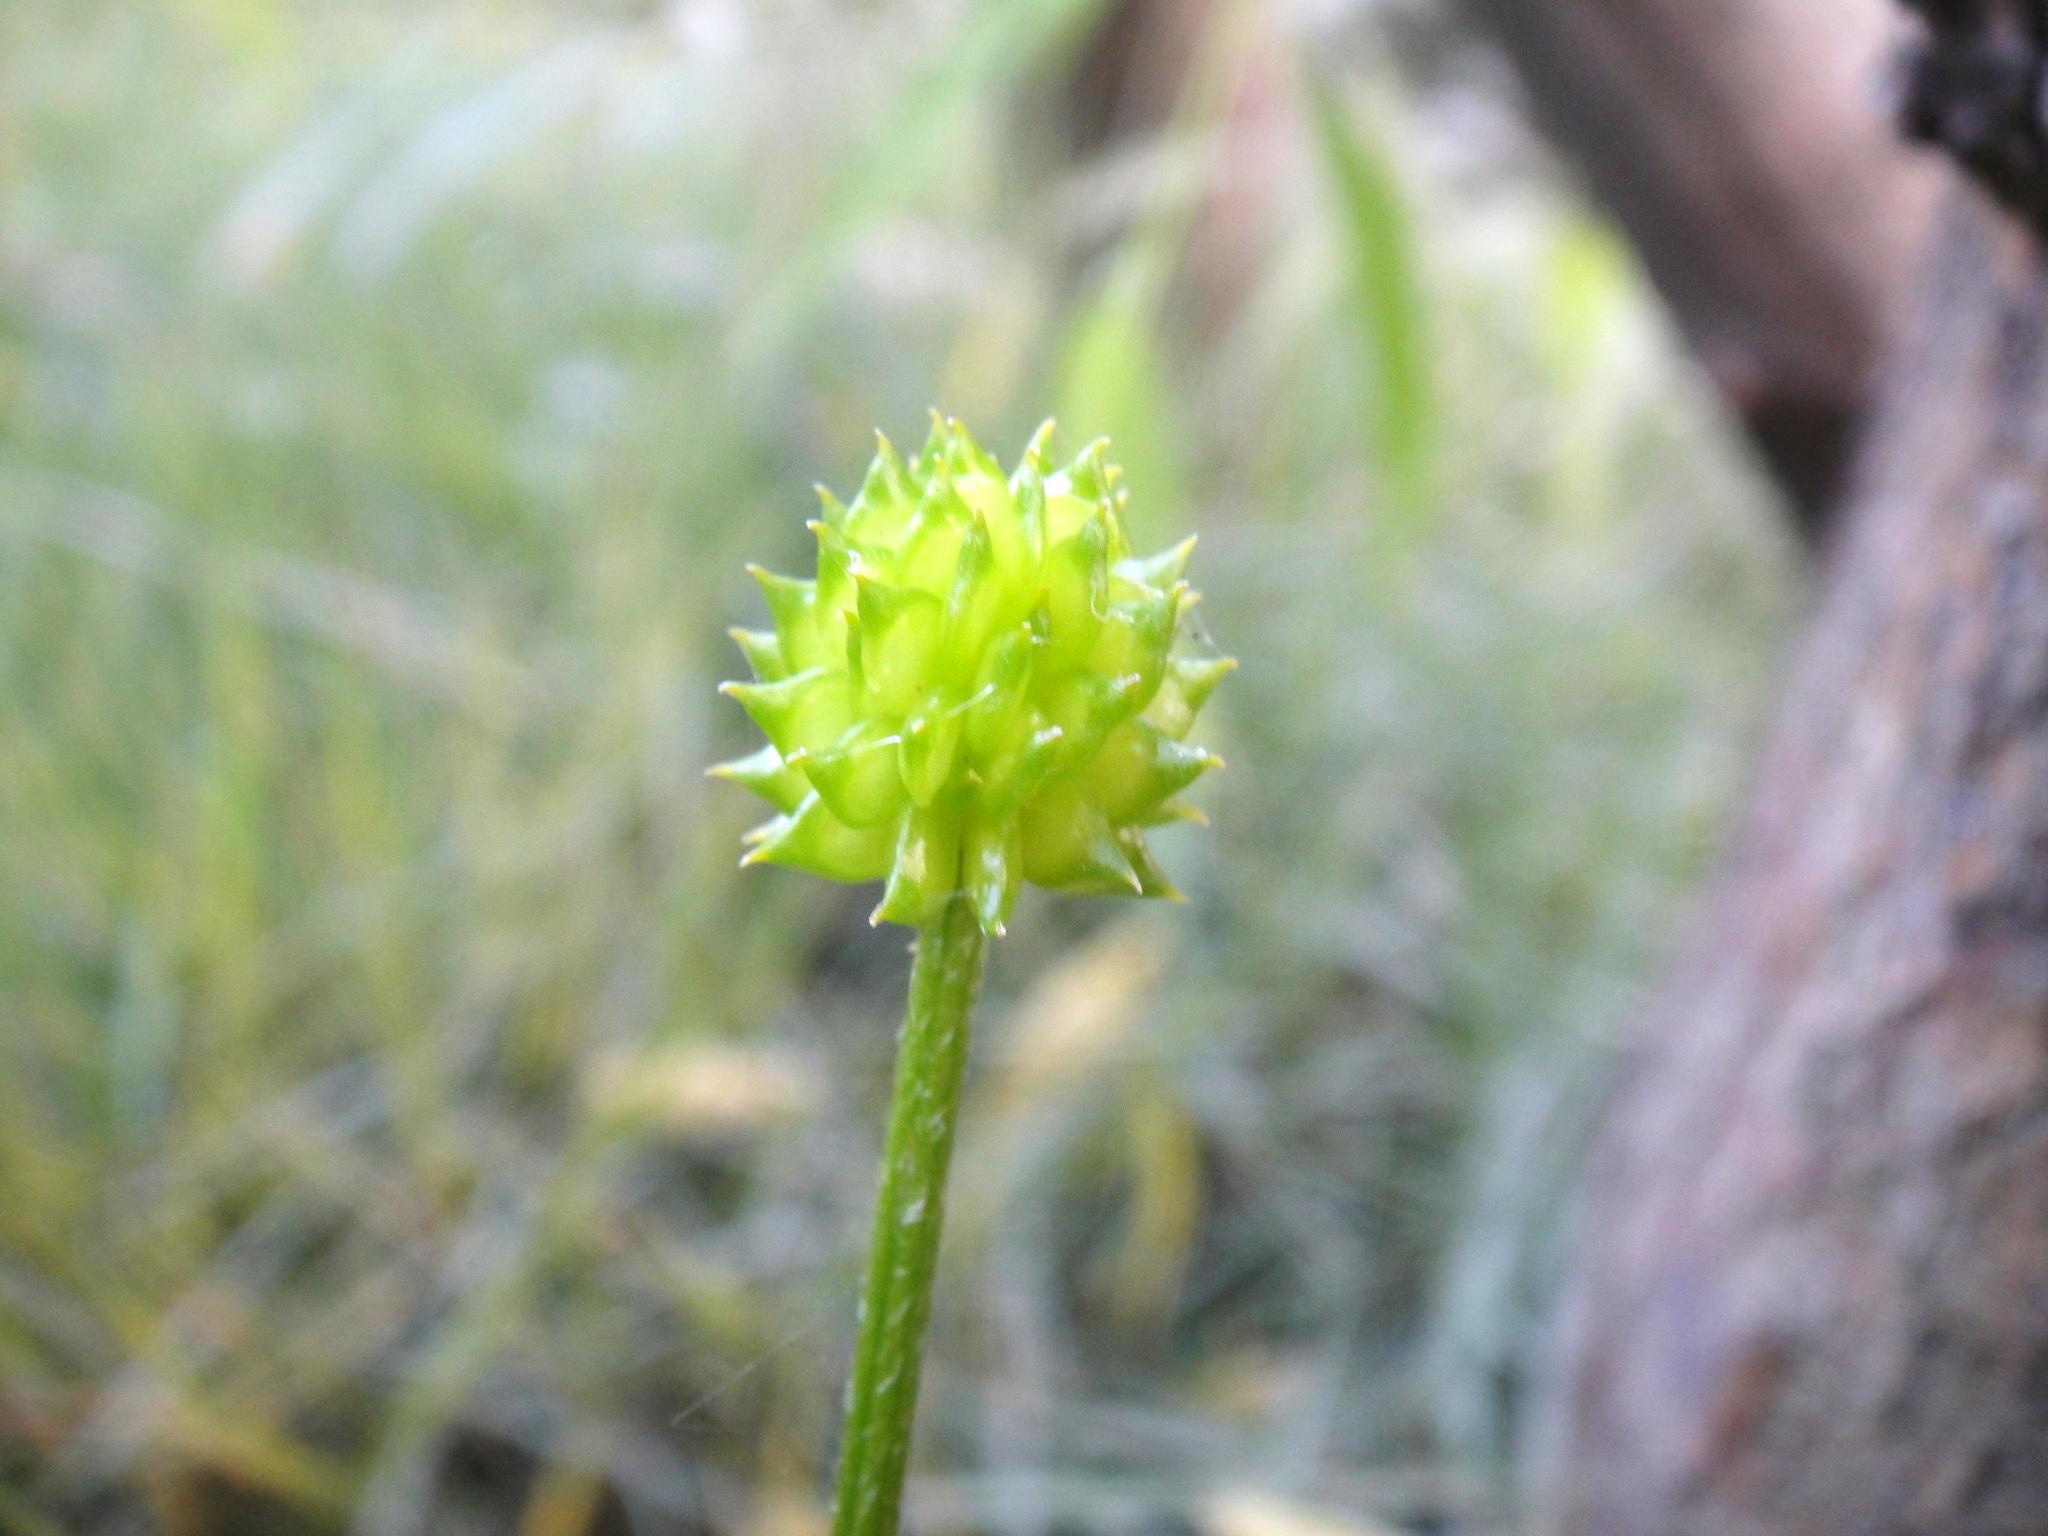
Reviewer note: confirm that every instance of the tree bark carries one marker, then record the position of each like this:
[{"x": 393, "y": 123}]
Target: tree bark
[
  {"x": 1738, "y": 143},
  {"x": 1811, "y": 1291}
]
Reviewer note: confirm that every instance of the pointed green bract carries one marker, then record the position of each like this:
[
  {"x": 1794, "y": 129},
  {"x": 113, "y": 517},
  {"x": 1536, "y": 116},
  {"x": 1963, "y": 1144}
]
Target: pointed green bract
[
  {"x": 811, "y": 837},
  {"x": 767, "y": 775},
  {"x": 983, "y": 685}
]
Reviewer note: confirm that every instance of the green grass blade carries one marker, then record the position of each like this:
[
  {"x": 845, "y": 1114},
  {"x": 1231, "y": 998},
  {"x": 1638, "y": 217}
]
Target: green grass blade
[{"x": 1387, "y": 303}]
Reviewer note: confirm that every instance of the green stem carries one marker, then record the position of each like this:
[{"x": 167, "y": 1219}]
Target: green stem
[{"x": 888, "y": 1350}]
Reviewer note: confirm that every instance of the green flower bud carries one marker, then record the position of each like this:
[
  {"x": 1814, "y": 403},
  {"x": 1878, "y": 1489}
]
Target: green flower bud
[{"x": 980, "y": 687}]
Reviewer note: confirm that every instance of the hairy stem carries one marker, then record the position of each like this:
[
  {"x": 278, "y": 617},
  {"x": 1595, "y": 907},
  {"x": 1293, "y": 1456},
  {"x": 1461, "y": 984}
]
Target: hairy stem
[{"x": 931, "y": 1059}]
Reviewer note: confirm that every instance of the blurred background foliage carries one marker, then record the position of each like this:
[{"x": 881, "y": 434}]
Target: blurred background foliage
[{"x": 411, "y": 1121}]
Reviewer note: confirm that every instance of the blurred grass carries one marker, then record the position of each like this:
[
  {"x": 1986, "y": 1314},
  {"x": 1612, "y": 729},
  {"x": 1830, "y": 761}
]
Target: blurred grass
[
  {"x": 409, "y": 1120},
  {"x": 1388, "y": 304}
]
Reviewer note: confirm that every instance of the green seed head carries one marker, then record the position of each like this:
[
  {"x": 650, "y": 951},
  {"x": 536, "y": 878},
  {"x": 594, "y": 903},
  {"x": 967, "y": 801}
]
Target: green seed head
[{"x": 981, "y": 686}]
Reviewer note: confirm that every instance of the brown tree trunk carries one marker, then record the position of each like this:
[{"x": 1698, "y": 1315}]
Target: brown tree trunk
[
  {"x": 1811, "y": 1294},
  {"x": 1737, "y": 142}
]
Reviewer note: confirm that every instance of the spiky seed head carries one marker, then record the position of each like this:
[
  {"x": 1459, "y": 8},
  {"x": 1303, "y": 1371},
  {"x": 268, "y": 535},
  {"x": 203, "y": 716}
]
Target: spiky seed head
[{"x": 981, "y": 686}]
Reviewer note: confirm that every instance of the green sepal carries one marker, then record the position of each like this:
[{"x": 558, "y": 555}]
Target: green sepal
[
  {"x": 969, "y": 462},
  {"x": 900, "y": 632},
  {"x": 835, "y": 587},
  {"x": 929, "y": 553},
  {"x": 763, "y": 652},
  {"x": 1008, "y": 780},
  {"x": 1076, "y": 593},
  {"x": 1158, "y": 571},
  {"x": 992, "y": 870},
  {"x": 1087, "y": 473},
  {"x": 1152, "y": 880},
  {"x": 1015, "y": 542},
  {"x": 887, "y": 498},
  {"x": 1140, "y": 768},
  {"x": 793, "y": 610},
  {"x": 811, "y": 838},
  {"x": 931, "y": 456},
  {"x": 998, "y": 716},
  {"x": 1032, "y": 463},
  {"x": 807, "y": 712},
  {"x": 929, "y": 749},
  {"x": 765, "y": 773},
  {"x": 1088, "y": 706},
  {"x": 1027, "y": 493},
  {"x": 1136, "y": 638},
  {"x": 1188, "y": 683},
  {"x": 1069, "y": 844},
  {"x": 1066, "y": 514},
  {"x": 975, "y": 603},
  {"x": 925, "y": 868},
  {"x": 860, "y": 782}
]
